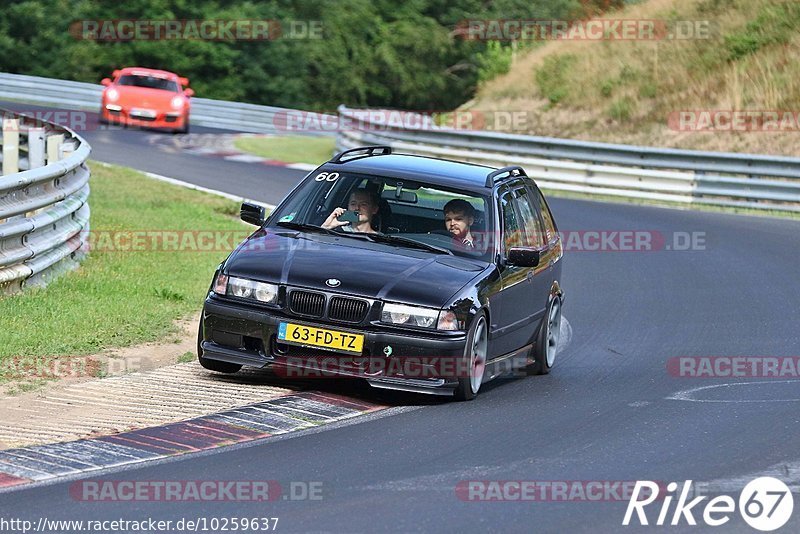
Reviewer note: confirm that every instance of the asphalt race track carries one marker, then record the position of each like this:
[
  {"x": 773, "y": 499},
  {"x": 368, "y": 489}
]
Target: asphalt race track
[
  {"x": 135, "y": 148},
  {"x": 604, "y": 414}
]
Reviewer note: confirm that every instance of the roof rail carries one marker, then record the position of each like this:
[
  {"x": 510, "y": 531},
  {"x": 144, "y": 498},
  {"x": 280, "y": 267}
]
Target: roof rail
[
  {"x": 379, "y": 150},
  {"x": 513, "y": 170}
]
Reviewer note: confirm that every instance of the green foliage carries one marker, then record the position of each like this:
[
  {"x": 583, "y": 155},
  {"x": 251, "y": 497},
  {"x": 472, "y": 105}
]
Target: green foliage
[
  {"x": 621, "y": 109},
  {"x": 551, "y": 77},
  {"x": 775, "y": 24},
  {"x": 372, "y": 53},
  {"x": 648, "y": 90},
  {"x": 606, "y": 88},
  {"x": 495, "y": 61}
]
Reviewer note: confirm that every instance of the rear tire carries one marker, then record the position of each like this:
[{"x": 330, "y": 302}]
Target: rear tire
[
  {"x": 475, "y": 354},
  {"x": 546, "y": 347},
  {"x": 213, "y": 365}
]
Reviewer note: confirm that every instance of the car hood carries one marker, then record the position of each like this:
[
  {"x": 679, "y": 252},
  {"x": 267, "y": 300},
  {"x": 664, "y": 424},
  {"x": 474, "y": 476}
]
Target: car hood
[
  {"x": 365, "y": 269},
  {"x": 144, "y": 97}
]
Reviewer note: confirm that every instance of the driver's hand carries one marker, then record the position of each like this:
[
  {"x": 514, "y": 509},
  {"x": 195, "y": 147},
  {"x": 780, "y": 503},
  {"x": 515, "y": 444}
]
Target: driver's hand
[{"x": 332, "y": 222}]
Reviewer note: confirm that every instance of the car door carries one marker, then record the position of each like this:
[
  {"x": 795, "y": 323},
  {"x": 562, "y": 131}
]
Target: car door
[{"x": 523, "y": 293}]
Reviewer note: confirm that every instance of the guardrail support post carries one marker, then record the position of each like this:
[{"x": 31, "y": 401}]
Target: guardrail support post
[
  {"x": 54, "y": 148},
  {"x": 36, "y": 147},
  {"x": 10, "y": 146}
]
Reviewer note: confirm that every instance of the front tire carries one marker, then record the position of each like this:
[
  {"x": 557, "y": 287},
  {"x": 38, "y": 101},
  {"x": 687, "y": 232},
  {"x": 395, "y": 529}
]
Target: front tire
[
  {"x": 213, "y": 365},
  {"x": 185, "y": 129},
  {"x": 547, "y": 342},
  {"x": 475, "y": 354}
]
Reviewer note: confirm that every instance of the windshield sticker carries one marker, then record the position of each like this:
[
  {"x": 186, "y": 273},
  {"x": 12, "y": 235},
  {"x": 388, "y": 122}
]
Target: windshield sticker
[
  {"x": 327, "y": 177},
  {"x": 287, "y": 218}
]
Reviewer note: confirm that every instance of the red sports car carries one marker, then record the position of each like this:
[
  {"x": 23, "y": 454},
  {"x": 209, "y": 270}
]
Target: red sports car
[{"x": 148, "y": 98}]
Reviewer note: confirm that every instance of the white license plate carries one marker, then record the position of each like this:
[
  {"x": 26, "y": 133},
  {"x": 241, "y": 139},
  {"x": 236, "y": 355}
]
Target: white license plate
[{"x": 144, "y": 113}]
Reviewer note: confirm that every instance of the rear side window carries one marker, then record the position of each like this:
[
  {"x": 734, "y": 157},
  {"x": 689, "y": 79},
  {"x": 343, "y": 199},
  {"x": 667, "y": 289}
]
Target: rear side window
[
  {"x": 534, "y": 235},
  {"x": 550, "y": 228},
  {"x": 512, "y": 234}
]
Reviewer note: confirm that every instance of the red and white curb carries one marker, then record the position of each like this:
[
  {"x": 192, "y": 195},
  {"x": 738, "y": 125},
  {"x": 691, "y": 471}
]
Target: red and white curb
[{"x": 280, "y": 415}]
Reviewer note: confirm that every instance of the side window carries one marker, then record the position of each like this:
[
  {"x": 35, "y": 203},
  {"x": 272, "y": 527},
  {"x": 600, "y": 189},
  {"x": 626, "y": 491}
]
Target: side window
[
  {"x": 549, "y": 224},
  {"x": 512, "y": 235},
  {"x": 534, "y": 235}
]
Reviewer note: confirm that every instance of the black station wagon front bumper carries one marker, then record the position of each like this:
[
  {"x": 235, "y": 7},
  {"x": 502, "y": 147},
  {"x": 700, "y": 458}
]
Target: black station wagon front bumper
[{"x": 415, "y": 361}]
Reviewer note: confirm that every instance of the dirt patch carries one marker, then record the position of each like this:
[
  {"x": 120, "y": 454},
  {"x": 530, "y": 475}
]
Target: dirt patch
[
  {"x": 142, "y": 386},
  {"x": 30, "y": 377}
]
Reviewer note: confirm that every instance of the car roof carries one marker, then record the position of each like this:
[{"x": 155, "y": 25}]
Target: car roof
[
  {"x": 144, "y": 71},
  {"x": 448, "y": 173}
]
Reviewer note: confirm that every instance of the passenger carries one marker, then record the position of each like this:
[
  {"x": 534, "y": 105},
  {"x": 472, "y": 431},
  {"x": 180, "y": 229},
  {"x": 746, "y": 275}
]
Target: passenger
[
  {"x": 459, "y": 215},
  {"x": 365, "y": 202}
]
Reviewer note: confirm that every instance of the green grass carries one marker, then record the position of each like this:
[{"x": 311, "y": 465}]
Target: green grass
[
  {"x": 186, "y": 357},
  {"x": 774, "y": 25},
  {"x": 289, "y": 149},
  {"x": 552, "y": 77},
  {"x": 118, "y": 299}
]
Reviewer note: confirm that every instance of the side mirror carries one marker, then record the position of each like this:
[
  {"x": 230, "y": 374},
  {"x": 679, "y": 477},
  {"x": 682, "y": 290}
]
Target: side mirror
[
  {"x": 115, "y": 73},
  {"x": 253, "y": 213},
  {"x": 188, "y": 92},
  {"x": 524, "y": 256},
  {"x": 105, "y": 81},
  {"x": 183, "y": 81}
]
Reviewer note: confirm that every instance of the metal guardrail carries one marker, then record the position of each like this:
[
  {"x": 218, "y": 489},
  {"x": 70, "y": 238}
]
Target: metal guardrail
[
  {"x": 205, "y": 112},
  {"x": 44, "y": 210},
  {"x": 685, "y": 176}
]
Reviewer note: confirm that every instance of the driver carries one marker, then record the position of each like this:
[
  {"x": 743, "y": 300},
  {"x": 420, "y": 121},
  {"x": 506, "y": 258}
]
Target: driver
[
  {"x": 459, "y": 215},
  {"x": 365, "y": 202}
]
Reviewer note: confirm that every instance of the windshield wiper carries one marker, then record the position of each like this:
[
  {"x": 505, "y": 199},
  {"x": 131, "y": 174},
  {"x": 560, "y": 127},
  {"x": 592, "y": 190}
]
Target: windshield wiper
[
  {"x": 306, "y": 227},
  {"x": 388, "y": 238},
  {"x": 381, "y": 238},
  {"x": 314, "y": 228}
]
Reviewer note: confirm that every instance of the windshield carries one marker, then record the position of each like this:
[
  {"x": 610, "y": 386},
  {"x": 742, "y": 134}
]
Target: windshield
[
  {"x": 429, "y": 214},
  {"x": 151, "y": 82}
]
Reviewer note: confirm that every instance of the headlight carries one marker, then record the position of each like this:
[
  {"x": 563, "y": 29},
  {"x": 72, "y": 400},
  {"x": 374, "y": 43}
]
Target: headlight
[
  {"x": 409, "y": 315},
  {"x": 221, "y": 284},
  {"x": 112, "y": 95},
  {"x": 449, "y": 321},
  {"x": 177, "y": 102},
  {"x": 246, "y": 289}
]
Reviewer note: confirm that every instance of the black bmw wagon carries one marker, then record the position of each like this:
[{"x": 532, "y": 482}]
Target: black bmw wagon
[{"x": 413, "y": 273}]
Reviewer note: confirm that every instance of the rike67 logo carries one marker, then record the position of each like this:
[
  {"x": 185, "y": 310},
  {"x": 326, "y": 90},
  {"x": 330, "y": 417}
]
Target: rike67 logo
[{"x": 765, "y": 504}]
